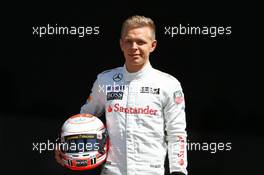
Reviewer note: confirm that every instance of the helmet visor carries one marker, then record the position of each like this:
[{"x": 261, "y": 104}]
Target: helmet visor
[{"x": 80, "y": 143}]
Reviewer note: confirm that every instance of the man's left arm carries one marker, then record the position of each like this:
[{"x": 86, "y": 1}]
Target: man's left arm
[{"x": 175, "y": 122}]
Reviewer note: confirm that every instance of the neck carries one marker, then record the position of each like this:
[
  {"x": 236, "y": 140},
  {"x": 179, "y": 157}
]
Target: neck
[{"x": 135, "y": 68}]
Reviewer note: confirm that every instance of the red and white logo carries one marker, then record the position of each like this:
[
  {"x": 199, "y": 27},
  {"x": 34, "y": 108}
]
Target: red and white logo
[
  {"x": 109, "y": 109},
  {"x": 132, "y": 110},
  {"x": 181, "y": 152},
  {"x": 178, "y": 97}
]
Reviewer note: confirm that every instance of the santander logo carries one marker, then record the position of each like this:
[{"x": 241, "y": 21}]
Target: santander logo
[
  {"x": 109, "y": 109},
  {"x": 132, "y": 110}
]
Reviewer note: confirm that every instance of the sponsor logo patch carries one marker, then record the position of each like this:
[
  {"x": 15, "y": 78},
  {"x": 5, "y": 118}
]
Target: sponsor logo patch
[
  {"x": 81, "y": 163},
  {"x": 132, "y": 110},
  {"x": 178, "y": 97},
  {"x": 117, "y": 77},
  {"x": 90, "y": 98},
  {"x": 115, "y": 88},
  {"x": 149, "y": 90},
  {"x": 114, "y": 96}
]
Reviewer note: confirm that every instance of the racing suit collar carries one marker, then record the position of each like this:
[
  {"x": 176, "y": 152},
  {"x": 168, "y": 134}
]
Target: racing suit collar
[{"x": 137, "y": 75}]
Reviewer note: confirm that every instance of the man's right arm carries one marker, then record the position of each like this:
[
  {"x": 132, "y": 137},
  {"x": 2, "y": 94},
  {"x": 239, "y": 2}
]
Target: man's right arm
[{"x": 95, "y": 103}]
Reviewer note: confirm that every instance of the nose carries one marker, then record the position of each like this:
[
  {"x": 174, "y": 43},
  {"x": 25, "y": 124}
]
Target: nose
[{"x": 134, "y": 45}]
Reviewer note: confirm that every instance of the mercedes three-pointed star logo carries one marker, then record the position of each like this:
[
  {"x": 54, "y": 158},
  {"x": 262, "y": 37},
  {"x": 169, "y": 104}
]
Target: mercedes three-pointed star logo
[{"x": 117, "y": 77}]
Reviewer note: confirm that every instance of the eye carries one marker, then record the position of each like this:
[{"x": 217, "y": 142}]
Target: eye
[
  {"x": 128, "y": 41},
  {"x": 141, "y": 42}
]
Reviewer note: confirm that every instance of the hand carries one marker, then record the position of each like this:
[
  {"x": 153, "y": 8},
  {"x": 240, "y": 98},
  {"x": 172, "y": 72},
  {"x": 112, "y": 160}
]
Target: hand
[{"x": 58, "y": 157}]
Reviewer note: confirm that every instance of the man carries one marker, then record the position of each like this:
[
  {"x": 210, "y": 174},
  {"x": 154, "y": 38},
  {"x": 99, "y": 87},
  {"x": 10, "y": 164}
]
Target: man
[{"x": 144, "y": 109}]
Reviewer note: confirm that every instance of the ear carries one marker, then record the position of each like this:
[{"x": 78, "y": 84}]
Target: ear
[
  {"x": 153, "y": 45},
  {"x": 121, "y": 44}
]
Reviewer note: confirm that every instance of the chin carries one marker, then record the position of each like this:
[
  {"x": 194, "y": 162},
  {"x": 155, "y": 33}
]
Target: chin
[{"x": 136, "y": 61}]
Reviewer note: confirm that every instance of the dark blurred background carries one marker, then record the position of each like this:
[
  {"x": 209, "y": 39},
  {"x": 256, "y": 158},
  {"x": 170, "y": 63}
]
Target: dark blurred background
[{"x": 45, "y": 80}]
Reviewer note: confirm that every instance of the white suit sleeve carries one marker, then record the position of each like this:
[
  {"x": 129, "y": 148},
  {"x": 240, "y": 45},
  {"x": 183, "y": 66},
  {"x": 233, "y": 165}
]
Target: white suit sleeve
[
  {"x": 175, "y": 124},
  {"x": 95, "y": 103}
]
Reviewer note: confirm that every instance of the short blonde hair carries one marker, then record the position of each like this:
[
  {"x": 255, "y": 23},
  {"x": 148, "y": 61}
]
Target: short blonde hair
[{"x": 138, "y": 21}]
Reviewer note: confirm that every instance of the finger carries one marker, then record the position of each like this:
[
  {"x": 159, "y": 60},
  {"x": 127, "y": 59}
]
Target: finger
[{"x": 58, "y": 157}]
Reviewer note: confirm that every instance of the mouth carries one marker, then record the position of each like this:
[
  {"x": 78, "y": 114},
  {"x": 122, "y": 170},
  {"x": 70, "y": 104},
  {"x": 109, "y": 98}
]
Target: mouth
[{"x": 134, "y": 55}]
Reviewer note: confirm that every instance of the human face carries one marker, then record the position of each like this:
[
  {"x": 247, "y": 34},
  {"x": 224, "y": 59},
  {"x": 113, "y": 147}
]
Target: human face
[{"x": 137, "y": 44}]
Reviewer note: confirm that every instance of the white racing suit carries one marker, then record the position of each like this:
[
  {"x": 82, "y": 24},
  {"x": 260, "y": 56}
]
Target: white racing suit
[{"x": 145, "y": 118}]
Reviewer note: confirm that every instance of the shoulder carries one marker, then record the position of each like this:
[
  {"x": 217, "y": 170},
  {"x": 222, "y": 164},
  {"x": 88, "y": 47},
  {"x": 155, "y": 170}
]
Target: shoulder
[
  {"x": 109, "y": 75},
  {"x": 166, "y": 78},
  {"x": 111, "y": 70},
  {"x": 168, "y": 83},
  {"x": 170, "y": 86}
]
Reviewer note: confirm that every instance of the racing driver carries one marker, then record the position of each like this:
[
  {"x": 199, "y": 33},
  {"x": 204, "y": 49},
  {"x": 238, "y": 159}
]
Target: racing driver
[{"x": 144, "y": 109}]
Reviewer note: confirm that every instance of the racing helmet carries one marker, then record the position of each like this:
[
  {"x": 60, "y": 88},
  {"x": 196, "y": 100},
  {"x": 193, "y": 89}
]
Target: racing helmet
[{"x": 83, "y": 142}]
